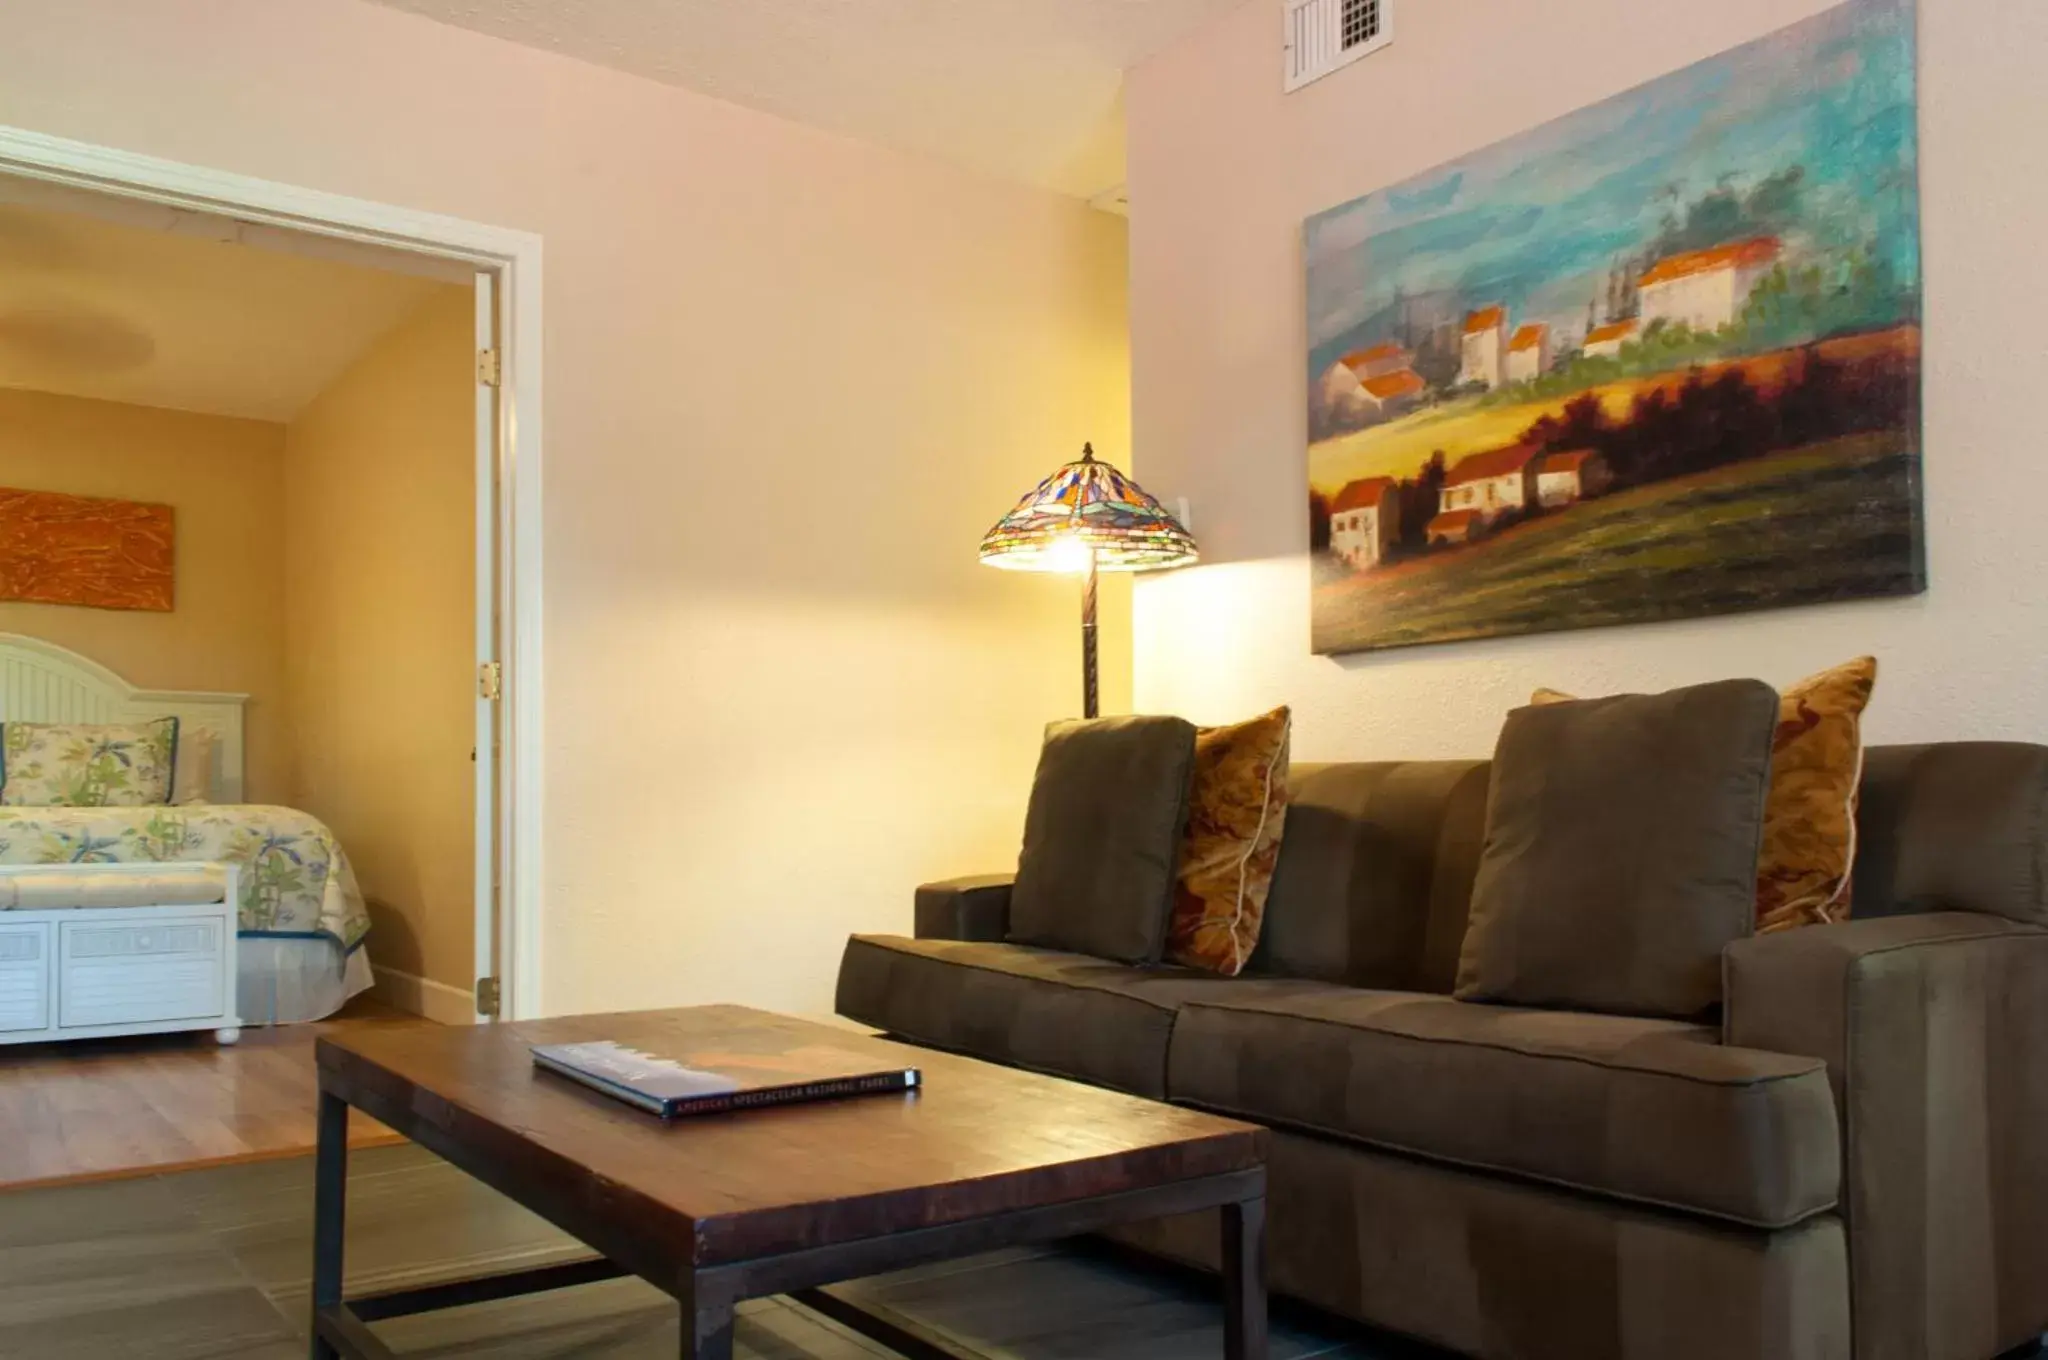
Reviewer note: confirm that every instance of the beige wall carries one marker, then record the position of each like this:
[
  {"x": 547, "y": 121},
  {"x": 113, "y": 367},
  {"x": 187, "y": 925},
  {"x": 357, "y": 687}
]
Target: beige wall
[
  {"x": 791, "y": 379},
  {"x": 225, "y": 479},
  {"x": 1223, "y": 170},
  {"x": 380, "y": 630}
]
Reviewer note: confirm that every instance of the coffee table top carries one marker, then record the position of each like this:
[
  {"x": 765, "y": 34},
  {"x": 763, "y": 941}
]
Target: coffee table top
[{"x": 975, "y": 1140}]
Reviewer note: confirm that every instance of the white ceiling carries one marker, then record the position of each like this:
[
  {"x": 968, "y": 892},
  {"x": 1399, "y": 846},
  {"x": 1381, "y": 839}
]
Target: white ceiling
[
  {"x": 164, "y": 308},
  {"x": 1028, "y": 90}
]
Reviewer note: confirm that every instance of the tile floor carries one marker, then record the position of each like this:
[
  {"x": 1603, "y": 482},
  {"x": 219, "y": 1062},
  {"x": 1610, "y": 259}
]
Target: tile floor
[{"x": 213, "y": 1265}]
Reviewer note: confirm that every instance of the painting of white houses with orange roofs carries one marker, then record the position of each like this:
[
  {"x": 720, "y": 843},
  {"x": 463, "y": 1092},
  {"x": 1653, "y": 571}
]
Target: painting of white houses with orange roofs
[{"x": 1659, "y": 358}]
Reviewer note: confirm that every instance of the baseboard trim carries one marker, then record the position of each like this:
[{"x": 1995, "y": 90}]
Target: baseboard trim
[{"x": 436, "y": 1001}]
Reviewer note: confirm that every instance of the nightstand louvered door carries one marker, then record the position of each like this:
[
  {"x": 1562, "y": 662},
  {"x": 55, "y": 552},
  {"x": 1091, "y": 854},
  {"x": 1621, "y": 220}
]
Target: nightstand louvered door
[{"x": 24, "y": 975}]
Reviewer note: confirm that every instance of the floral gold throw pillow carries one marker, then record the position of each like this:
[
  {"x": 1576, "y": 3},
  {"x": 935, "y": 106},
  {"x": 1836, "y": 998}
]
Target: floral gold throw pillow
[
  {"x": 87, "y": 764},
  {"x": 1809, "y": 845},
  {"x": 1237, "y": 808}
]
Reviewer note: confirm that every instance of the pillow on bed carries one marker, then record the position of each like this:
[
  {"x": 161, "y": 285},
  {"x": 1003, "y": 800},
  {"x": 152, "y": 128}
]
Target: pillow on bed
[
  {"x": 192, "y": 767},
  {"x": 87, "y": 764}
]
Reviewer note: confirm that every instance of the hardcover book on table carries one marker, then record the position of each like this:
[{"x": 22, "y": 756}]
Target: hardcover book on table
[{"x": 708, "y": 1082}]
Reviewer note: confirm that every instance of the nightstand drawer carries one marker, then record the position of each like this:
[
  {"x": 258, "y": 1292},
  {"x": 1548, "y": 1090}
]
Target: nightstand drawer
[{"x": 112, "y": 972}]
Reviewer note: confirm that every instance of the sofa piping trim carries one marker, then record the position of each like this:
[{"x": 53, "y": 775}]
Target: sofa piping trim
[
  {"x": 1191, "y": 974},
  {"x": 1510, "y": 1173},
  {"x": 1818, "y": 1065}
]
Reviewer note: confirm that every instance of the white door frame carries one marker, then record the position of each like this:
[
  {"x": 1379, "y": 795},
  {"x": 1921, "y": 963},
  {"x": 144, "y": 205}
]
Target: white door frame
[{"x": 515, "y": 258}]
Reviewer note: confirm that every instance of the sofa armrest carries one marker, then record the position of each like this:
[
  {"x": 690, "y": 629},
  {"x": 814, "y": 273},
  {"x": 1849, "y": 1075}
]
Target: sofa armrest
[
  {"x": 975, "y": 908},
  {"x": 1935, "y": 1032}
]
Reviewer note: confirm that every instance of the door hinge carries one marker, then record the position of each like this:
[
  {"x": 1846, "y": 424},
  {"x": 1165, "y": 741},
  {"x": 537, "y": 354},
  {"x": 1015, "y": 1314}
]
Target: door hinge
[
  {"x": 487, "y": 367},
  {"x": 490, "y": 680},
  {"x": 487, "y": 996}
]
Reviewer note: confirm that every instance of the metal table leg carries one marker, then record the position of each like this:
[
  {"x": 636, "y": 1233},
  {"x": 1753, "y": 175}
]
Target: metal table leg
[
  {"x": 1244, "y": 1280},
  {"x": 330, "y": 1211}
]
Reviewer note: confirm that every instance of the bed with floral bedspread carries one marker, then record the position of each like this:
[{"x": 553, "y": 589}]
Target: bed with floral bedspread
[{"x": 296, "y": 882}]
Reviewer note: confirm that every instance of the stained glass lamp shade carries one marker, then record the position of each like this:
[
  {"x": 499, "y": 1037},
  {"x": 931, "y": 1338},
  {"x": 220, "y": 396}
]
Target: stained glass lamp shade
[{"x": 1085, "y": 518}]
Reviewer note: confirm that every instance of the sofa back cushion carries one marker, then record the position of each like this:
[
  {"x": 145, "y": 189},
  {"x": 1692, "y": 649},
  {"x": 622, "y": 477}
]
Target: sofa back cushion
[
  {"x": 1102, "y": 837},
  {"x": 1374, "y": 883},
  {"x": 1621, "y": 850},
  {"x": 1956, "y": 826},
  {"x": 1375, "y": 874},
  {"x": 1802, "y": 876}
]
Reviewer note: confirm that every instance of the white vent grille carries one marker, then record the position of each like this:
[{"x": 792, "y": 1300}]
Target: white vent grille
[{"x": 1323, "y": 35}]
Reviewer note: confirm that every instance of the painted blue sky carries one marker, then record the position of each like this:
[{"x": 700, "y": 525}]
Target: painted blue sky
[{"x": 1537, "y": 221}]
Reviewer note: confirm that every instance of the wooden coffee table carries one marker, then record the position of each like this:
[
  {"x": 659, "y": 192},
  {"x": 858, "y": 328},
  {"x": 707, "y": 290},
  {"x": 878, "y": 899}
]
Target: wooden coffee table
[{"x": 716, "y": 1209}]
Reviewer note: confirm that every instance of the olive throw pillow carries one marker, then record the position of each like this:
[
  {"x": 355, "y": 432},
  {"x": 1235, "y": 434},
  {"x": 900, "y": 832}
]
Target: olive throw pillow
[
  {"x": 1621, "y": 850},
  {"x": 1102, "y": 837},
  {"x": 1802, "y": 876},
  {"x": 1237, "y": 809}
]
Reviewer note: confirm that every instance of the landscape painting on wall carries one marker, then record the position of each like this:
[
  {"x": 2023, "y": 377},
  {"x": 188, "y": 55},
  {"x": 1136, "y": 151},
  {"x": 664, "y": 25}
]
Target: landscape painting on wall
[{"x": 1659, "y": 358}]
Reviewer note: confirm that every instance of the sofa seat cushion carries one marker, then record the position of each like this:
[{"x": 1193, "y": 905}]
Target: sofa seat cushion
[
  {"x": 1068, "y": 1014},
  {"x": 1643, "y": 1109}
]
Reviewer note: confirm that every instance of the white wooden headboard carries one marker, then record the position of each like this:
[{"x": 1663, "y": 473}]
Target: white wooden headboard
[{"x": 42, "y": 682}]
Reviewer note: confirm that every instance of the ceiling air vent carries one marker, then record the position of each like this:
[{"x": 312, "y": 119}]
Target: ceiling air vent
[{"x": 1323, "y": 35}]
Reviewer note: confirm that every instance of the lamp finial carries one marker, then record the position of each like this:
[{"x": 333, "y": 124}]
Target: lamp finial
[{"x": 1088, "y": 451}]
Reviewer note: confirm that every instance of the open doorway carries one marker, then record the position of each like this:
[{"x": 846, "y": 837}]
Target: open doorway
[
  {"x": 254, "y": 479},
  {"x": 180, "y": 1099},
  {"x": 264, "y": 212}
]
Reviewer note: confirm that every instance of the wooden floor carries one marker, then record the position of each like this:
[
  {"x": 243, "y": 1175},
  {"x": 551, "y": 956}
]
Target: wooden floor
[
  {"x": 99, "y": 1108},
  {"x": 214, "y": 1265}
]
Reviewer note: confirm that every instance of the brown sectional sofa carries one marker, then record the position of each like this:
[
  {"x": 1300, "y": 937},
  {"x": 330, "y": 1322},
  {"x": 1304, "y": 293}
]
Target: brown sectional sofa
[{"x": 1851, "y": 1159}]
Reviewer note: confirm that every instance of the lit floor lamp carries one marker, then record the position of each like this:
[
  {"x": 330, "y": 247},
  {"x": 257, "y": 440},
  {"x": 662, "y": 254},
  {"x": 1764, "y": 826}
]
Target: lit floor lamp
[{"x": 1085, "y": 518}]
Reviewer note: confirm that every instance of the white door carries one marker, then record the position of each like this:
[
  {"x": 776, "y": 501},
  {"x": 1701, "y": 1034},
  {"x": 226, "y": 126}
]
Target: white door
[{"x": 490, "y": 677}]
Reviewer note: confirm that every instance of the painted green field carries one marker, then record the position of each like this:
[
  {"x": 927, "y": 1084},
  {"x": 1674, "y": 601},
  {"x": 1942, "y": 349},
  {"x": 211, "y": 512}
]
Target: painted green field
[{"x": 1827, "y": 522}]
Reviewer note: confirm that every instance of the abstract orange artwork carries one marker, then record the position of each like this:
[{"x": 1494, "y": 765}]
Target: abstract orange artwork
[{"x": 85, "y": 550}]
